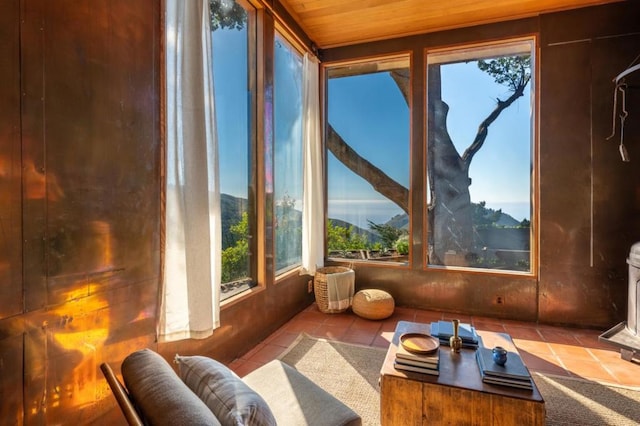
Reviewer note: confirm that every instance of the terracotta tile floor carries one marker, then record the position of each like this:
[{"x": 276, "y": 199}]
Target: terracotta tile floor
[{"x": 546, "y": 349}]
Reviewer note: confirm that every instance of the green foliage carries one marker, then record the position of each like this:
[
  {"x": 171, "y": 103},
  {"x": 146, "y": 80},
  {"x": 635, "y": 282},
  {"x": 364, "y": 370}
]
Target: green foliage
[
  {"x": 235, "y": 259},
  {"x": 525, "y": 223},
  {"x": 226, "y": 14},
  {"x": 510, "y": 71},
  {"x": 388, "y": 233},
  {"x": 341, "y": 238},
  {"x": 231, "y": 209},
  {"x": 241, "y": 229},
  {"x": 483, "y": 216},
  {"x": 402, "y": 245}
]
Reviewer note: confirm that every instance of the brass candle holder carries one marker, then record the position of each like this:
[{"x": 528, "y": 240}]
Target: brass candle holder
[{"x": 455, "y": 341}]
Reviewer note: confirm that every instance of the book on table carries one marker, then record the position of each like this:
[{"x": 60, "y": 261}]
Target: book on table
[
  {"x": 401, "y": 364},
  {"x": 514, "y": 373},
  {"x": 421, "y": 363},
  {"x": 443, "y": 330},
  {"x": 427, "y": 358},
  {"x": 507, "y": 382}
]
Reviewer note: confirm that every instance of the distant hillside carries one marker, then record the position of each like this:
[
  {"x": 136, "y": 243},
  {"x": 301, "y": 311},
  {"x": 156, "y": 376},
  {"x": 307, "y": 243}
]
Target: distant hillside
[
  {"x": 372, "y": 237},
  {"x": 488, "y": 217},
  {"x": 400, "y": 221},
  {"x": 231, "y": 209},
  {"x": 483, "y": 216},
  {"x": 507, "y": 220}
]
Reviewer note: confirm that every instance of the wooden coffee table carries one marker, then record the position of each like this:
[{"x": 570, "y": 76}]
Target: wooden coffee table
[{"x": 457, "y": 396}]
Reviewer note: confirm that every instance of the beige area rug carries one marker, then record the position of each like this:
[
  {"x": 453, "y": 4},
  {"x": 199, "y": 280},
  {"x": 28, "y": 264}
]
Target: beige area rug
[
  {"x": 351, "y": 372},
  {"x": 348, "y": 372},
  {"x": 572, "y": 401}
]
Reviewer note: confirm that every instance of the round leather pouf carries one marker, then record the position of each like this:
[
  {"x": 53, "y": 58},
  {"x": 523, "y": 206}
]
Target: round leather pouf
[{"x": 373, "y": 304}]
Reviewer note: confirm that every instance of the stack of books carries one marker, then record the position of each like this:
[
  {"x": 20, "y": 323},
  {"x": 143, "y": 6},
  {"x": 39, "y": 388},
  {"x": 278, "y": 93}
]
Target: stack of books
[
  {"x": 514, "y": 373},
  {"x": 418, "y": 363},
  {"x": 443, "y": 330}
]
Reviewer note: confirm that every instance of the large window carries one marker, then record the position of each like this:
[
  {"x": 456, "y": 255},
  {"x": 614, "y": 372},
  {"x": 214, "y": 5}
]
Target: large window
[
  {"x": 479, "y": 156},
  {"x": 233, "y": 36},
  {"x": 368, "y": 160},
  {"x": 287, "y": 155}
]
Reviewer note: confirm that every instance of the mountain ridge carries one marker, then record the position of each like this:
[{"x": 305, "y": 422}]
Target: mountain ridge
[{"x": 232, "y": 208}]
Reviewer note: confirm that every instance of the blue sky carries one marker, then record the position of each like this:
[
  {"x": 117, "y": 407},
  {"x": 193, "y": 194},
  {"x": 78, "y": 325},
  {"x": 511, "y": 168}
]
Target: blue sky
[
  {"x": 372, "y": 116},
  {"x": 232, "y": 109},
  {"x": 288, "y": 122},
  {"x": 501, "y": 169}
]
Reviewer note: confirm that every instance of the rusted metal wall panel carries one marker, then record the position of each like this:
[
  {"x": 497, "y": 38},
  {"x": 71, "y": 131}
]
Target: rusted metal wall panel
[
  {"x": 11, "y": 383},
  {"x": 90, "y": 198},
  {"x": 565, "y": 194},
  {"x": 34, "y": 177},
  {"x": 589, "y": 201},
  {"x": 10, "y": 165},
  {"x": 456, "y": 291},
  {"x": 616, "y": 185}
]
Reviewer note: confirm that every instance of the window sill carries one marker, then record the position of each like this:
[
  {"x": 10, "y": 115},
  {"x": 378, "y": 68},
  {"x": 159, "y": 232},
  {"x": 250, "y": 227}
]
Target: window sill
[
  {"x": 393, "y": 262},
  {"x": 240, "y": 296},
  {"x": 286, "y": 274},
  {"x": 231, "y": 289}
]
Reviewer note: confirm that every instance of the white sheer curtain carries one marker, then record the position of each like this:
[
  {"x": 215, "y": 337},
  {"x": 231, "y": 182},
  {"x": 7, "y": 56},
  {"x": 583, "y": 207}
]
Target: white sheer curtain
[
  {"x": 313, "y": 196},
  {"x": 189, "y": 305}
]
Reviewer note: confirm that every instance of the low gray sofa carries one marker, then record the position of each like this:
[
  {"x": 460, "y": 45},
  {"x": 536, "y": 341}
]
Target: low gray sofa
[{"x": 205, "y": 392}]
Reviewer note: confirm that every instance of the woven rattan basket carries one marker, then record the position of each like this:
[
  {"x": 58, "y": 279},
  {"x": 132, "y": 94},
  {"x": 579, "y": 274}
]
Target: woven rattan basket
[{"x": 320, "y": 288}]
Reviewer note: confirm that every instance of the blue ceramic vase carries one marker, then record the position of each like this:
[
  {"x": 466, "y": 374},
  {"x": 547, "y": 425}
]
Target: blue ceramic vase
[{"x": 499, "y": 355}]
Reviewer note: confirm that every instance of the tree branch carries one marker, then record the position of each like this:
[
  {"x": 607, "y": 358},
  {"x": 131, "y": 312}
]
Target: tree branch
[
  {"x": 401, "y": 78},
  {"x": 380, "y": 181},
  {"x": 483, "y": 129}
]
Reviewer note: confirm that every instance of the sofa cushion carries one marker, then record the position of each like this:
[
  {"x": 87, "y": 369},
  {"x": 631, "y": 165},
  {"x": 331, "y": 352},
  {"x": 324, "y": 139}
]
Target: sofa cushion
[
  {"x": 159, "y": 394},
  {"x": 226, "y": 395},
  {"x": 296, "y": 400}
]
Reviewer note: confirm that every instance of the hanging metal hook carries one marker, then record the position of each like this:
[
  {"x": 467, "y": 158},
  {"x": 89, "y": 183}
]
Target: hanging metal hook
[
  {"x": 622, "y": 88},
  {"x": 623, "y": 150}
]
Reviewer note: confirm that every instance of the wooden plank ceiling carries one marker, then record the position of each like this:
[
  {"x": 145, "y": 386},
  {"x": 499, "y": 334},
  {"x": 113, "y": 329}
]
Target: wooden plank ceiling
[{"x": 331, "y": 23}]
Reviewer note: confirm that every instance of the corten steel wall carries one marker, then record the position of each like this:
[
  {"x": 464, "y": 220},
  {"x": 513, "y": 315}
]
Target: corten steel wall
[
  {"x": 11, "y": 338},
  {"x": 79, "y": 249},
  {"x": 589, "y": 200}
]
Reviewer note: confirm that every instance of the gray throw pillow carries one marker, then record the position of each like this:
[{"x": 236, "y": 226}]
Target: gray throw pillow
[
  {"x": 159, "y": 394},
  {"x": 227, "y": 396}
]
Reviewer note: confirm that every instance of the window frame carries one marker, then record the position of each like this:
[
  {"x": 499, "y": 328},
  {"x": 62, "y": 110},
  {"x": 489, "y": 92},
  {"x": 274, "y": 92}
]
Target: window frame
[
  {"x": 240, "y": 288},
  {"x": 401, "y": 55},
  {"x": 280, "y": 32},
  {"x": 459, "y": 51}
]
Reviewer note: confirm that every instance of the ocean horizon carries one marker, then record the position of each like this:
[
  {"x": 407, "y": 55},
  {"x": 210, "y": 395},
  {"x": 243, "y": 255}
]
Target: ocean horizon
[{"x": 359, "y": 212}]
